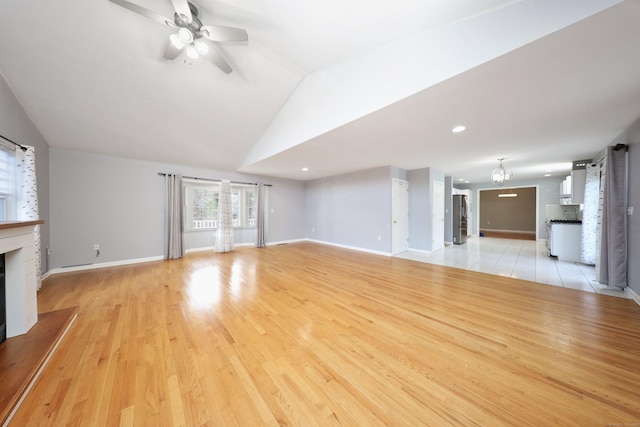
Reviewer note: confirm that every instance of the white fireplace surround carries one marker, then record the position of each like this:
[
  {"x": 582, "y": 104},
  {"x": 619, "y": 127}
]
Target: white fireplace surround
[{"x": 17, "y": 243}]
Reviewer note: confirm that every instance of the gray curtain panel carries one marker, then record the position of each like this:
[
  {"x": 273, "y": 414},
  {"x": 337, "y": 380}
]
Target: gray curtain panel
[
  {"x": 174, "y": 233},
  {"x": 613, "y": 245},
  {"x": 260, "y": 232}
]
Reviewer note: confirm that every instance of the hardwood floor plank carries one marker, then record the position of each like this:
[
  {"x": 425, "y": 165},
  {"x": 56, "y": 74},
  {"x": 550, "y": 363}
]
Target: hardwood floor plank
[
  {"x": 127, "y": 417},
  {"x": 22, "y": 357},
  {"x": 305, "y": 334}
]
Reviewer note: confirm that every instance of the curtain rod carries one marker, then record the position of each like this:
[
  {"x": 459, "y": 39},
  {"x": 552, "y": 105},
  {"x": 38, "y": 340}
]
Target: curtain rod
[
  {"x": 216, "y": 180},
  {"x": 14, "y": 143}
]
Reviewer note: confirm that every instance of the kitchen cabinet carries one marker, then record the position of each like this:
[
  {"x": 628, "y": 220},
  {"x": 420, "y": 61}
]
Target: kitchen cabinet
[
  {"x": 565, "y": 191},
  {"x": 578, "y": 181},
  {"x": 572, "y": 188}
]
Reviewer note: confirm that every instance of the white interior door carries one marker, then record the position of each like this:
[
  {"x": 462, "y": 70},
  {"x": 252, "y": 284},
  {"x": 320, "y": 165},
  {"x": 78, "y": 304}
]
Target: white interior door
[
  {"x": 437, "y": 229},
  {"x": 399, "y": 216}
]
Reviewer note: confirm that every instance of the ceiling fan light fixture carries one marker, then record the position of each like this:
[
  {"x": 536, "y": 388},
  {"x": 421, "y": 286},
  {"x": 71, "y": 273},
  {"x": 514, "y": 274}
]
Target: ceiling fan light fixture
[
  {"x": 501, "y": 175},
  {"x": 201, "y": 46},
  {"x": 192, "y": 52},
  {"x": 176, "y": 41},
  {"x": 185, "y": 35},
  {"x": 188, "y": 30}
]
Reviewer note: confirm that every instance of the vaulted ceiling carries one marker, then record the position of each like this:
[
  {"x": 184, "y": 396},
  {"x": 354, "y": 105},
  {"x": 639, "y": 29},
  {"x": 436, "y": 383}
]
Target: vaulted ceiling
[{"x": 333, "y": 86}]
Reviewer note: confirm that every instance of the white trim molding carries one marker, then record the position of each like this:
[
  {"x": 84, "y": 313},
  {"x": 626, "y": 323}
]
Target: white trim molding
[
  {"x": 355, "y": 248},
  {"x": 632, "y": 294},
  {"x": 420, "y": 251},
  {"x": 102, "y": 265}
]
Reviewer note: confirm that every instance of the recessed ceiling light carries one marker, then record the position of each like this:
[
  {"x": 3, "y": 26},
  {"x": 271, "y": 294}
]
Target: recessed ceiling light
[
  {"x": 458, "y": 129},
  {"x": 547, "y": 174},
  {"x": 460, "y": 179},
  {"x": 305, "y": 169}
]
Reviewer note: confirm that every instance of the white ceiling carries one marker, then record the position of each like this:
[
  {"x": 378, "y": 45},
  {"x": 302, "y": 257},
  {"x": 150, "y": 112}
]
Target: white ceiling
[{"x": 91, "y": 77}]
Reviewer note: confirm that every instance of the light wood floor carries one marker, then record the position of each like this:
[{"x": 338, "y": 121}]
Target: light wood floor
[
  {"x": 306, "y": 335},
  {"x": 21, "y": 357}
]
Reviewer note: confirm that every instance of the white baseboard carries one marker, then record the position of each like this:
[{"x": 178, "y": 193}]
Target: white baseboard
[
  {"x": 141, "y": 260},
  {"x": 101, "y": 265},
  {"x": 285, "y": 242},
  {"x": 203, "y": 249},
  {"x": 420, "y": 251},
  {"x": 240, "y": 245},
  {"x": 213, "y": 248},
  {"x": 632, "y": 294},
  {"x": 355, "y": 248}
]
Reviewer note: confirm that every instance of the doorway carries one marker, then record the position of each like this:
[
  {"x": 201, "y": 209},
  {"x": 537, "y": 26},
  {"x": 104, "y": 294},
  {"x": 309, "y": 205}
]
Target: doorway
[
  {"x": 399, "y": 216},
  {"x": 509, "y": 213}
]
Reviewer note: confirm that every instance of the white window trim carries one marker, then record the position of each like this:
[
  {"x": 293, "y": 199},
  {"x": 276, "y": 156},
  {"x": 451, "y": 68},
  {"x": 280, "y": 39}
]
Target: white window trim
[
  {"x": 242, "y": 222},
  {"x": 8, "y": 190}
]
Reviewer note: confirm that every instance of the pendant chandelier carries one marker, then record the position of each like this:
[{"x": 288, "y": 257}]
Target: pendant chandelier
[{"x": 501, "y": 175}]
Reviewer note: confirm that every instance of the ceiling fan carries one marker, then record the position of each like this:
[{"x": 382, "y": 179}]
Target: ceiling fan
[{"x": 192, "y": 37}]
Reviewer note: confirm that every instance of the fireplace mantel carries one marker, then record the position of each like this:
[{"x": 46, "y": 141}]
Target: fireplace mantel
[
  {"x": 17, "y": 243},
  {"x": 5, "y": 225}
]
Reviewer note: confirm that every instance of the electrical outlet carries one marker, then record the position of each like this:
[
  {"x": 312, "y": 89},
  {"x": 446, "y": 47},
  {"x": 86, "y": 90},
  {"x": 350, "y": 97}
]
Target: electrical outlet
[
  {"x": 630, "y": 210},
  {"x": 96, "y": 247}
]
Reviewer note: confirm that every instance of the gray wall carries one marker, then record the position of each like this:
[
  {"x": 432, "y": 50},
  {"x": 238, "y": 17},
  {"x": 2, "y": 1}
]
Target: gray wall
[
  {"x": 118, "y": 204},
  {"x": 398, "y": 173},
  {"x": 419, "y": 214},
  {"x": 15, "y": 125},
  {"x": 352, "y": 209},
  {"x": 420, "y": 207},
  {"x": 548, "y": 194},
  {"x": 448, "y": 209}
]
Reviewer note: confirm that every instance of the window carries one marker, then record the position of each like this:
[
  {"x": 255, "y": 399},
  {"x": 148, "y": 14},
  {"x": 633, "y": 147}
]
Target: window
[
  {"x": 7, "y": 183},
  {"x": 201, "y": 205},
  {"x": 3, "y": 208}
]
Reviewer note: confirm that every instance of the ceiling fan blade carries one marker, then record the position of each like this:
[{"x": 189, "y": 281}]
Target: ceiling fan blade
[
  {"x": 182, "y": 8},
  {"x": 143, "y": 11},
  {"x": 218, "y": 33},
  {"x": 172, "y": 52},
  {"x": 217, "y": 59}
]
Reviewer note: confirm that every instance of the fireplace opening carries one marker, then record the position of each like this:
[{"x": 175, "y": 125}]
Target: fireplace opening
[{"x": 3, "y": 302}]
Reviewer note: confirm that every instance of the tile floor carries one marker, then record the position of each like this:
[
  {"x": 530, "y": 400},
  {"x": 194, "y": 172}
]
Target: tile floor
[{"x": 522, "y": 259}]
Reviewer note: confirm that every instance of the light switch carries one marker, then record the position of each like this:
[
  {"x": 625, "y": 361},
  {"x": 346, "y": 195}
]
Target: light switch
[{"x": 630, "y": 210}]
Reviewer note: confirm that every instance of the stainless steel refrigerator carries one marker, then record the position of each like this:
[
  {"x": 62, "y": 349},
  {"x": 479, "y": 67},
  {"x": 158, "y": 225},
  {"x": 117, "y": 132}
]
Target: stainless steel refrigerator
[{"x": 459, "y": 219}]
